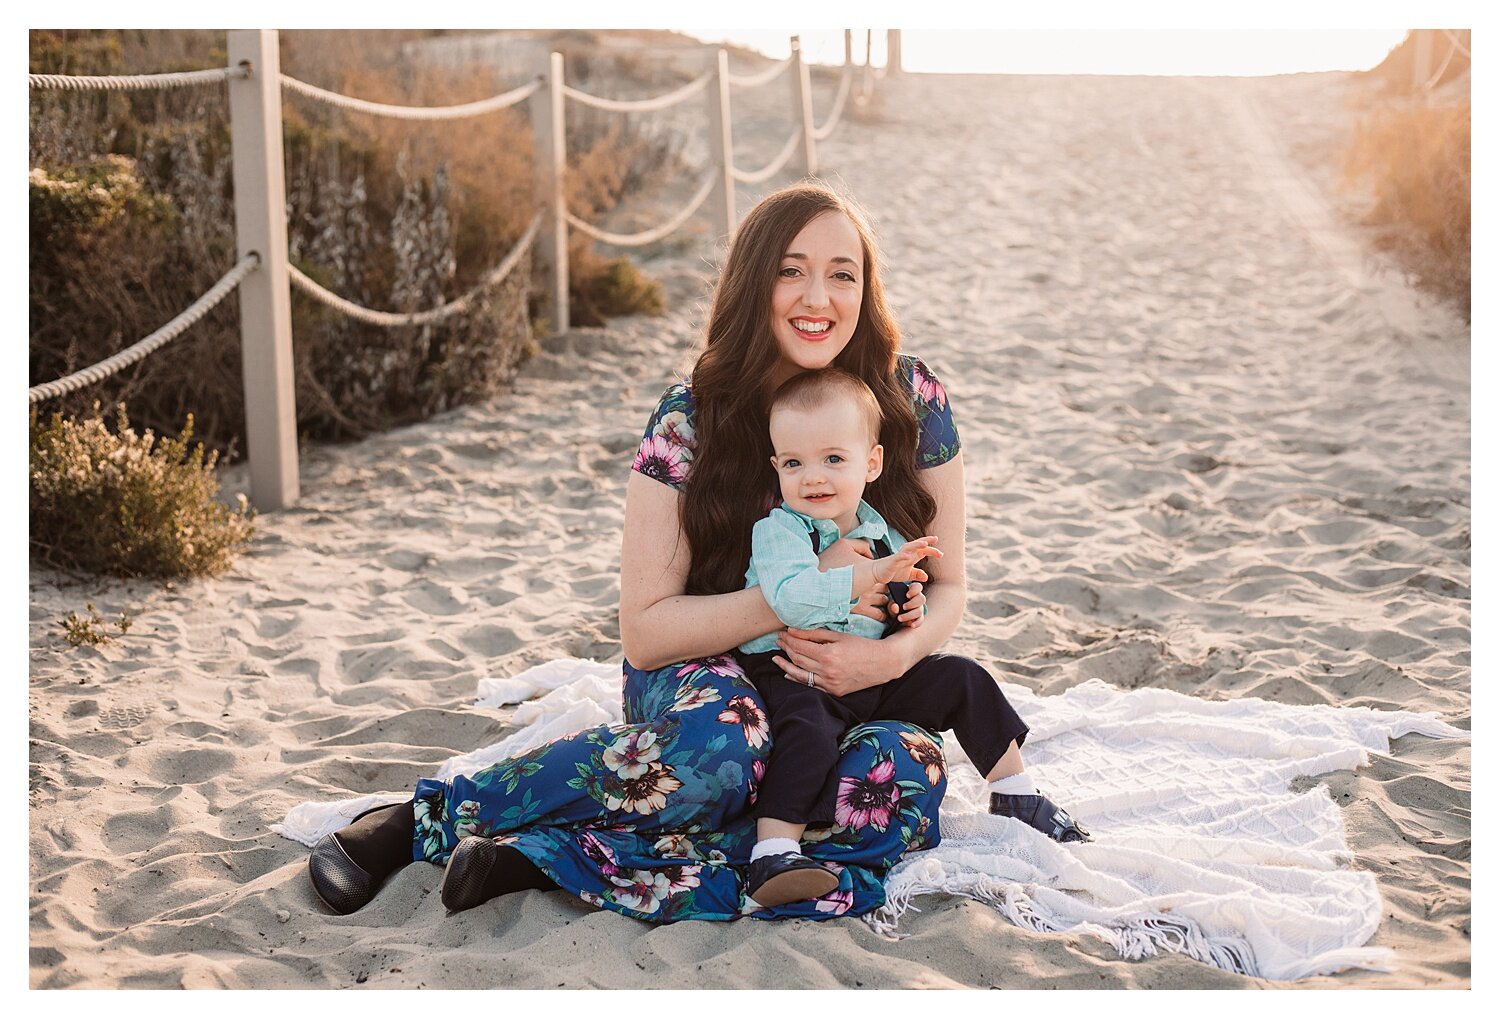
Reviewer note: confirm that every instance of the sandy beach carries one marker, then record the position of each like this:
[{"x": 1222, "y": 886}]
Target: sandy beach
[{"x": 1212, "y": 445}]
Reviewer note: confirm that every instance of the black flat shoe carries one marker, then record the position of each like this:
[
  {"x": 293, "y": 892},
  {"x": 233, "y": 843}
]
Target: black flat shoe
[
  {"x": 1042, "y": 814},
  {"x": 343, "y": 885},
  {"x": 468, "y": 871},
  {"x": 788, "y": 877},
  {"x": 480, "y": 869}
]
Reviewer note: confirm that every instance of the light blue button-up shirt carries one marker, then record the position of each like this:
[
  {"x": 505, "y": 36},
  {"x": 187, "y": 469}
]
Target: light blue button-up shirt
[{"x": 784, "y": 565}]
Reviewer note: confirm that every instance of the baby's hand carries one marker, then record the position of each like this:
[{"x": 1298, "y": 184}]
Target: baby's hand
[
  {"x": 873, "y": 603},
  {"x": 913, "y": 608},
  {"x": 901, "y": 565}
]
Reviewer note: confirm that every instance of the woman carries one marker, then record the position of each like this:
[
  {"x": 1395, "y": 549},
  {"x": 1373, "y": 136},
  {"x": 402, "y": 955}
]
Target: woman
[{"x": 647, "y": 817}]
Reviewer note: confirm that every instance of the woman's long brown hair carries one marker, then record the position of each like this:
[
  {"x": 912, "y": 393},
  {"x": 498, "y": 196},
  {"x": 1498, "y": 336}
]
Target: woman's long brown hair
[{"x": 731, "y": 479}]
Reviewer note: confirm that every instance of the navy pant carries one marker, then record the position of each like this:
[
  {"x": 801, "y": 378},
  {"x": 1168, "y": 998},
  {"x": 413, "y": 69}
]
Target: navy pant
[{"x": 940, "y": 692}]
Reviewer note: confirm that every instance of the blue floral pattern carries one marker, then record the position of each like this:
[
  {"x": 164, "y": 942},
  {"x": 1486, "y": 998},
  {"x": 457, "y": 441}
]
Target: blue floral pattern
[{"x": 645, "y": 817}]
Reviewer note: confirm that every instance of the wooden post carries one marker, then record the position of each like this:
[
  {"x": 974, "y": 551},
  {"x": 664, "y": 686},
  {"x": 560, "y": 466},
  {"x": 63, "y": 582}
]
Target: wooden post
[
  {"x": 867, "y": 84},
  {"x": 802, "y": 108},
  {"x": 265, "y": 295},
  {"x": 549, "y": 165},
  {"x": 893, "y": 51},
  {"x": 848, "y": 48},
  {"x": 1421, "y": 67},
  {"x": 720, "y": 144}
]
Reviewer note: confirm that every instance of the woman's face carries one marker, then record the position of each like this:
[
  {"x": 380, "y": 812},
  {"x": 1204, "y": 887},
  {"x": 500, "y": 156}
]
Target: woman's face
[{"x": 815, "y": 303}]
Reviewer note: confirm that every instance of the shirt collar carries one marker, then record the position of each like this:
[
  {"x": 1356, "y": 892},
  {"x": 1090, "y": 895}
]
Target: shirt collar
[{"x": 868, "y": 524}]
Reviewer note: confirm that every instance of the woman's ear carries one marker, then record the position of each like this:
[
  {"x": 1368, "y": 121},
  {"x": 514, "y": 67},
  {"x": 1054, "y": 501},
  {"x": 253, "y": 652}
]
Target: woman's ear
[{"x": 876, "y": 464}]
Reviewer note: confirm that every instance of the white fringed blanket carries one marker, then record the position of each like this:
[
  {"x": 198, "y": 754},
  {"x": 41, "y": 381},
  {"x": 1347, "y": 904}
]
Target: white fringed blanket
[{"x": 1201, "y": 846}]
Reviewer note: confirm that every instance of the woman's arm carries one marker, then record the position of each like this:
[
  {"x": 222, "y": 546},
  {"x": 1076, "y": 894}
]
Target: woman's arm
[
  {"x": 659, "y": 624},
  {"x": 947, "y": 588},
  {"x": 845, "y": 663}
]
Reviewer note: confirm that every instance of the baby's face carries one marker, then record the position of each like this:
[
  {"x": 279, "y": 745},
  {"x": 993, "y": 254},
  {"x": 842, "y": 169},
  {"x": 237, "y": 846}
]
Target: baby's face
[{"x": 824, "y": 458}]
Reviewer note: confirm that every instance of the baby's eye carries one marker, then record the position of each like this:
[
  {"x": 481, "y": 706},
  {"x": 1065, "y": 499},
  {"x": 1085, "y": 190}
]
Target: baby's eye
[
  {"x": 787, "y": 465},
  {"x": 834, "y": 458}
]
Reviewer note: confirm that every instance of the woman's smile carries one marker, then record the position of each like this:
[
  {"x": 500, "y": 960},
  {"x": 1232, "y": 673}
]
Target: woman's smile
[
  {"x": 814, "y": 330},
  {"x": 817, "y": 295}
]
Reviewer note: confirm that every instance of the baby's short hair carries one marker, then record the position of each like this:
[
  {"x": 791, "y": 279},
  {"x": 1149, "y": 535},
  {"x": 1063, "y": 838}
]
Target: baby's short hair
[{"x": 810, "y": 390}]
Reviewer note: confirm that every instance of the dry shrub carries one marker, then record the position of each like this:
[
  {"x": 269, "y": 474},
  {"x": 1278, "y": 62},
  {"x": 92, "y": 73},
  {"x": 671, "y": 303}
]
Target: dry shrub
[
  {"x": 393, "y": 215},
  {"x": 127, "y": 504},
  {"x": 113, "y": 259},
  {"x": 482, "y": 166},
  {"x": 1415, "y": 158},
  {"x": 91, "y": 629}
]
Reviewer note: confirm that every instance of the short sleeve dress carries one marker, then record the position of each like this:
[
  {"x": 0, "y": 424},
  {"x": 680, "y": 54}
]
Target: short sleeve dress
[{"x": 647, "y": 817}]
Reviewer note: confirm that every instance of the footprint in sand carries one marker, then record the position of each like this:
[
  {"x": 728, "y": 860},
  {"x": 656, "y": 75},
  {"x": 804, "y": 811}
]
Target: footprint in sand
[
  {"x": 272, "y": 627},
  {"x": 435, "y": 599},
  {"x": 405, "y": 559},
  {"x": 135, "y": 830},
  {"x": 126, "y": 715},
  {"x": 190, "y": 767},
  {"x": 84, "y": 708}
]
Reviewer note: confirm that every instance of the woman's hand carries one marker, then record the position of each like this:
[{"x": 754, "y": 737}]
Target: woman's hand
[
  {"x": 844, "y": 552},
  {"x": 841, "y": 663}
]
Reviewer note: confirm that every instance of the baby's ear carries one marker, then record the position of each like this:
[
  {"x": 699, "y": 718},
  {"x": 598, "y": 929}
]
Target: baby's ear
[{"x": 876, "y": 464}]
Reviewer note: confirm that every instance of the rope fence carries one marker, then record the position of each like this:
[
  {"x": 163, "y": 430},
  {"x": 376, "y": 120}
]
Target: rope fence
[
  {"x": 663, "y": 102},
  {"x": 1424, "y": 82},
  {"x": 456, "y": 306},
  {"x": 128, "y": 82},
  {"x": 845, "y": 81},
  {"x": 137, "y": 351},
  {"x": 1455, "y": 45},
  {"x": 773, "y": 167},
  {"x": 1431, "y": 83},
  {"x": 764, "y": 77},
  {"x": 474, "y": 109},
  {"x": 255, "y": 87},
  {"x": 655, "y": 234}
]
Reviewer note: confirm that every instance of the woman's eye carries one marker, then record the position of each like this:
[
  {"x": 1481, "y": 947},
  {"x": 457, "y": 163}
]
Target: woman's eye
[
  {"x": 845, "y": 275},
  {"x": 789, "y": 271}
]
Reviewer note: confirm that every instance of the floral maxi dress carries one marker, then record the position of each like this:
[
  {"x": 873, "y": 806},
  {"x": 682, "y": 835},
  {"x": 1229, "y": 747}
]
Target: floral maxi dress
[{"x": 646, "y": 817}]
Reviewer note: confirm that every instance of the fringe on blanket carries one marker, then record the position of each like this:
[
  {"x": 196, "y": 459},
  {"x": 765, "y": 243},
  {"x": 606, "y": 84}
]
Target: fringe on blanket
[{"x": 1133, "y": 936}]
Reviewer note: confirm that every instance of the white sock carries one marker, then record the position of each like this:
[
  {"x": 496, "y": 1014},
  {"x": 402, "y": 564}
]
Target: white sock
[
  {"x": 770, "y": 847},
  {"x": 1019, "y": 784}
]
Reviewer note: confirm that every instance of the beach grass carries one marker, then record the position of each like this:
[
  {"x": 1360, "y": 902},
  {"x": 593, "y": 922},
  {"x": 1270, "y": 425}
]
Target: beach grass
[{"x": 1415, "y": 160}]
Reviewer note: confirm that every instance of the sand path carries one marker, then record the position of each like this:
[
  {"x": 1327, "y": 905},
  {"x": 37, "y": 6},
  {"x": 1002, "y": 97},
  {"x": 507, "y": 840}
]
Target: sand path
[{"x": 1201, "y": 455}]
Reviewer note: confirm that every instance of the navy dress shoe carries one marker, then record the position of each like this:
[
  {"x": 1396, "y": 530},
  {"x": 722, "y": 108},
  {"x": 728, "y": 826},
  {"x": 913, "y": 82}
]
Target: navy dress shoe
[
  {"x": 342, "y": 884},
  {"x": 1042, "y": 814},
  {"x": 780, "y": 878}
]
